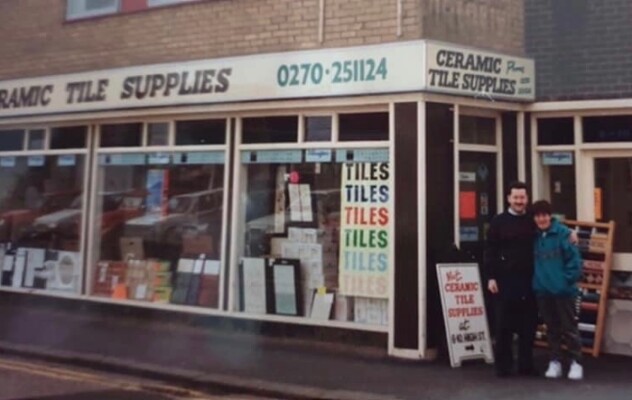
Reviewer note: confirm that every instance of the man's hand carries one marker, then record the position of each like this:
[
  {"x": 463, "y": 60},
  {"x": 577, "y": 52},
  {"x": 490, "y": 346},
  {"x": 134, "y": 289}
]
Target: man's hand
[
  {"x": 492, "y": 286},
  {"x": 573, "y": 238}
]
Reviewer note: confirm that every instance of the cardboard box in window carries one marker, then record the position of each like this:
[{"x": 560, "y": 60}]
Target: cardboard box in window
[
  {"x": 132, "y": 248},
  {"x": 108, "y": 274},
  {"x": 193, "y": 246}
]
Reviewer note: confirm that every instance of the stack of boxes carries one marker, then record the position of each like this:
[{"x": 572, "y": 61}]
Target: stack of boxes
[{"x": 109, "y": 274}]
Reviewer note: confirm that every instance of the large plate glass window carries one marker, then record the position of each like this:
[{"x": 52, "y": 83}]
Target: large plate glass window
[
  {"x": 314, "y": 224},
  {"x": 42, "y": 211},
  {"x": 159, "y": 214}
]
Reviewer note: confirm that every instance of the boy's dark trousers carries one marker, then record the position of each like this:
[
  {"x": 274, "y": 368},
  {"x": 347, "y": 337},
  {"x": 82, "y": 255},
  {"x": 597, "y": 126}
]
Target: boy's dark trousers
[
  {"x": 559, "y": 315},
  {"x": 515, "y": 315}
]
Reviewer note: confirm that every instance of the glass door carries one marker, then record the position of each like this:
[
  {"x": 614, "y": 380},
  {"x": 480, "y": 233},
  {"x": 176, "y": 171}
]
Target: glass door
[{"x": 477, "y": 199}]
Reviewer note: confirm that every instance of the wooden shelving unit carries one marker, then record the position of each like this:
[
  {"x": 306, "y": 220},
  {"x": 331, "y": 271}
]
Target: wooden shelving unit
[{"x": 595, "y": 243}]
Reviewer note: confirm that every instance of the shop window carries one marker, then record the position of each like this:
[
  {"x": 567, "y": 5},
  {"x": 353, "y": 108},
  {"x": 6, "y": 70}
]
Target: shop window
[
  {"x": 363, "y": 127},
  {"x": 477, "y": 130},
  {"x": 608, "y": 129},
  {"x": 318, "y": 129},
  {"x": 158, "y": 134},
  {"x": 558, "y": 182},
  {"x": 159, "y": 3},
  {"x": 555, "y": 131},
  {"x": 122, "y": 135},
  {"x": 11, "y": 140},
  {"x": 201, "y": 132},
  {"x": 41, "y": 216},
  {"x": 69, "y": 137},
  {"x": 158, "y": 227},
  {"x": 316, "y": 239},
  {"x": 36, "y": 139},
  {"x": 270, "y": 130},
  {"x": 76, "y": 9}
]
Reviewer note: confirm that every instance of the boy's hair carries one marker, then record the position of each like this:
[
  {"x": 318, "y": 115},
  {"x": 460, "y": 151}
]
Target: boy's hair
[
  {"x": 518, "y": 186},
  {"x": 542, "y": 207}
]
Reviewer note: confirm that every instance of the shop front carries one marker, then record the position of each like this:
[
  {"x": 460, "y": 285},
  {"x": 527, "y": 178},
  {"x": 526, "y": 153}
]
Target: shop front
[
  {"x": 582, "y": 162},
  {"x": 315, "y": 188}
]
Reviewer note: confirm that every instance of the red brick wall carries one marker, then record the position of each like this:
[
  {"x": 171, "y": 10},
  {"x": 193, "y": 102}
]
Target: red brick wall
[{"x": 36, "y": 39}]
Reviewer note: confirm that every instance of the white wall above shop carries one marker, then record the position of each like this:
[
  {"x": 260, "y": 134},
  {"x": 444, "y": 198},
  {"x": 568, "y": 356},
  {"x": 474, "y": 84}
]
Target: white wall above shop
[{"x": 411, "y": 66}]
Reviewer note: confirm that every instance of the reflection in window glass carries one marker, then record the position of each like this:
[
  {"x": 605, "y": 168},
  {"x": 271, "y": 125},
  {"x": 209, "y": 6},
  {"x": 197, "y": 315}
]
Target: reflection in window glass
[
  {"x": 158, "y": 134},
  {"x": 325, "y": 222},
  {"x": 365, "y": 126},
  {"x": 40, "y": 221},
  {"x": 555, "y": 131},
  {"x": 36, "y": 139},
  {"x": 270, "y": 130},
  {"x": 11, "y": 139},
  {"x": 608, "y": 129},
  {"x": 477, "y": 130},
  {"x": 122, "y": 135},
  {"x": 69, "y": 137},
  {"x": 158, "y": 227},
  {"x": 318, "y": 129},
  {"x": 201, "y": 132}
]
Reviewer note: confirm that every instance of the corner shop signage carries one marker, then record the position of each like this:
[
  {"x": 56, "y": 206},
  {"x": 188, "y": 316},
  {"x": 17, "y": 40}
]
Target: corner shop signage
[
  {"x": 459, "y": 70},
  {"x": 386, "y": 68}
]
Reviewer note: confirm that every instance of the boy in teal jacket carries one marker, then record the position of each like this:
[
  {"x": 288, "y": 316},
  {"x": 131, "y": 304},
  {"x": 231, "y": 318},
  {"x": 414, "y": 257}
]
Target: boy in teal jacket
[{"x": 558, "y": 267}]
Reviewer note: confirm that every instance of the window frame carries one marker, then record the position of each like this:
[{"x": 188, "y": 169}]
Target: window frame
[{"x": 114, "y": 9}]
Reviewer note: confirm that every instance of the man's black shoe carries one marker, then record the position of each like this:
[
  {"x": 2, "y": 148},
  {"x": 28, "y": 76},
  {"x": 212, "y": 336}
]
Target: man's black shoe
[
  {"x": 530, "y": 372},
  {"x": 503, "y": 374}
]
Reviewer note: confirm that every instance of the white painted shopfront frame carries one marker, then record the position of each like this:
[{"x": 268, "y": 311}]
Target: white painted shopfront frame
[
  {"x": 327, "y": 106},
  {"x": 496, "y": 149},
  {"x": 584, "y": 155}
]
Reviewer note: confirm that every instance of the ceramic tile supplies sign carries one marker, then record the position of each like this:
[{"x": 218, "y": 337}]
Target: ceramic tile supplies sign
[
  {"x": 386, "y": 68},
  {"x": 464, "y": 313},
  {"x": 366, "y": 213},
  {"x": 459, "y": 70}
]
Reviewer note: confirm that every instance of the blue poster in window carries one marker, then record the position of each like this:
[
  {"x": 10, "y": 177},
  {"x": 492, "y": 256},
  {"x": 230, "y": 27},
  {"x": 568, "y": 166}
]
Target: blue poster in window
[
  {"x": 36, "y": 161},
  {"x": 122, "y": 159},
  {"x": 200, "y": 158},
  {"x": 159, "y": 159},
  {"x": 66, "y": 160},
  {"x": 362, "y": 155},
  {"x": 7, "y": 162},
  {"x": 272, "y": 157},
  {"x": 318, "y": 155},
  {"x": 157, "y": 187}
]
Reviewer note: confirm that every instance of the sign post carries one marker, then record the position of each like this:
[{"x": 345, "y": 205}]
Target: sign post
[{"x": 464, "y": 313}]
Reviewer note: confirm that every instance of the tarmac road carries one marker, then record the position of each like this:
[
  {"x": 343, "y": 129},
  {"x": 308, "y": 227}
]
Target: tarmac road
[{"x": 30, "y": 380}]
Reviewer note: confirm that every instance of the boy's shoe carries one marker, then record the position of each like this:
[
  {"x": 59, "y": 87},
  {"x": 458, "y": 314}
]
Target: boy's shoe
[
  {"x": 576, "y": 372},
  {"x": 555, "y": 370}
]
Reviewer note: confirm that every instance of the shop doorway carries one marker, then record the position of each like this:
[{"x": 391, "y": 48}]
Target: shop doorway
[
  {"x": 477, "y": 200},
  {"x": 612, "y": 200},
  {"x": 479, "y": 179}
]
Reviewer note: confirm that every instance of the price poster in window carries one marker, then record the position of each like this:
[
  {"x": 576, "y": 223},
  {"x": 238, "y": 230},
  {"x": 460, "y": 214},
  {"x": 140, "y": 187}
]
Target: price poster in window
[{"x": 366, "y": 215}]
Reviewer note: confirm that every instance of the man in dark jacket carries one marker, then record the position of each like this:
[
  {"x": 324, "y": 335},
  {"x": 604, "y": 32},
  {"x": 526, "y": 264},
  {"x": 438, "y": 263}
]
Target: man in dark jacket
[{"x": 509, "y": 267}]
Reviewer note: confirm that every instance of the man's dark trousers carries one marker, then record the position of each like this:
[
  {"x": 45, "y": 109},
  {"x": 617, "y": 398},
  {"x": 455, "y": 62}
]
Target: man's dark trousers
[{"x": 517, "y": 315}]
